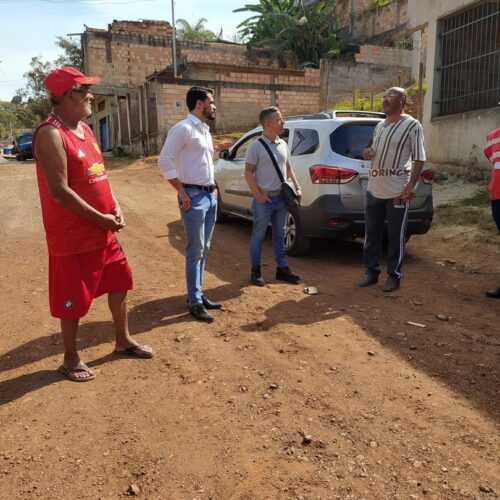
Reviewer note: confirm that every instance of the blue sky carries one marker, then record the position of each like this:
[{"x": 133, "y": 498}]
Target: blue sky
[{"x": 29, "y": 27}]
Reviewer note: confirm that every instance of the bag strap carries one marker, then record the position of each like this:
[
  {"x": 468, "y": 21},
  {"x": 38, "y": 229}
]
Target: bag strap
[{"x": 275, "y": 163}]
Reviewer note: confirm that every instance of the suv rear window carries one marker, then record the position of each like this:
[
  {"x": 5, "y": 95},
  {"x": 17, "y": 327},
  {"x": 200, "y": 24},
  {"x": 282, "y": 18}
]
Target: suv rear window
[{"x": 351, "y": 138}]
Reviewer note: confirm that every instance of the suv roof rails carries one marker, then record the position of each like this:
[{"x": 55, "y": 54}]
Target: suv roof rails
[
  {"x": 325, "y": 115},
  {"x": 353, "y": 112},
  {"x": 322, "y": 115}
]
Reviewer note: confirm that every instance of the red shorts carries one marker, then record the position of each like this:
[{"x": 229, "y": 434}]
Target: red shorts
[{"x": 75, "y": 280}]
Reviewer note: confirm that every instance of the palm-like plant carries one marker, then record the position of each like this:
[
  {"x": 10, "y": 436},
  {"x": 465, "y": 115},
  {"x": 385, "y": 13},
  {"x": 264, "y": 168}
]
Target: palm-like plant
[
  {"x": 196, "y": 32},
  {"x": 290, "y": 25}
]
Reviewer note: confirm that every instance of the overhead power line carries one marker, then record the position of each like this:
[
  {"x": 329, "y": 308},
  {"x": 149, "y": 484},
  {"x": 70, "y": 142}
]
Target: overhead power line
[{"x": 75, "y": 2}]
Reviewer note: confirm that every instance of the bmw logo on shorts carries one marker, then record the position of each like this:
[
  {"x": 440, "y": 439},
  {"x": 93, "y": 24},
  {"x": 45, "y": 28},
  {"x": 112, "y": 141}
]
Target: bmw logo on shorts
[{"x": 68, "y": 304}]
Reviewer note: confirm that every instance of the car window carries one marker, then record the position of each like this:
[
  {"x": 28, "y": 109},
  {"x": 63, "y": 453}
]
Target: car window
[
  {"x": 351, "y": 138},
  {"x": 241, "y": 149},
  {"x": 305, "y": 141}
]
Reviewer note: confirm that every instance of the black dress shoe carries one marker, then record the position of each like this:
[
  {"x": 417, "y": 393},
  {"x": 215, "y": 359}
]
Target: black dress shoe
[
  {"x": 256, "y": 277},
  {"x": 285, "y": 274},
  {"x": 392, "y": 284},
  {"x": 367, "y": 280},
  {"x": 209, "y": 304},
  {"x": 200, "y": 313},
  {"x": 493, "y": 294}
]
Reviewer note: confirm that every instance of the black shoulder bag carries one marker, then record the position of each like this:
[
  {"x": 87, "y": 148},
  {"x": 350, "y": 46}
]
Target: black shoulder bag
[{"x": 292, "y": 201}]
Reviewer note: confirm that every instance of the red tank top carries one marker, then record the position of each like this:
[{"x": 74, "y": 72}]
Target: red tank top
[{"x": 66, "y": 233}]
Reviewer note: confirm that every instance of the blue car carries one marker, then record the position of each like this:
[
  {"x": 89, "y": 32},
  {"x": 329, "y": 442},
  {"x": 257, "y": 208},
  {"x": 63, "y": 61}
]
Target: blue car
[{"x": 23, "y": 148}]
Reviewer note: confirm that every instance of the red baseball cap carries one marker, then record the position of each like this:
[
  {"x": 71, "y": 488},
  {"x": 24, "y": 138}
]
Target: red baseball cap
[{"x": 63, "y": 79}]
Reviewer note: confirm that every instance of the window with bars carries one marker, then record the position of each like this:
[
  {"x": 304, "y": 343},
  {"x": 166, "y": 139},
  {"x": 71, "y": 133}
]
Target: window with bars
[{"x": 470, "y": 59}]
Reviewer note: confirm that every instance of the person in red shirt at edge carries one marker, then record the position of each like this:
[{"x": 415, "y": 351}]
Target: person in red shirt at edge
[
  {"x": 492, "y": 152},
  {"x": 81, "y": 217}
]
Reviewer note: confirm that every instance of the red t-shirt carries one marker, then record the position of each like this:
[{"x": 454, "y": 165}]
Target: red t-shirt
[
  {"x": 492, "y": 152},
  {"x": 66, "y": 233}
]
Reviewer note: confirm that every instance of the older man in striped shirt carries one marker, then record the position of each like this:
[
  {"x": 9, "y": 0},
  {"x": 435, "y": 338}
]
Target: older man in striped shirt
[{"x": 397, "y": 158}]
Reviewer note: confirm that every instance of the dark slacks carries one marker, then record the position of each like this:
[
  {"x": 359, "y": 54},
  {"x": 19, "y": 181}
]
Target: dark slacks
[
  {"x": 495, "y": 211},
  {"x": 377, "y": 211}
]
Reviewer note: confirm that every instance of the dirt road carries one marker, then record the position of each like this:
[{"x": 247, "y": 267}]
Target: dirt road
[{"x": 285, "y": 395}]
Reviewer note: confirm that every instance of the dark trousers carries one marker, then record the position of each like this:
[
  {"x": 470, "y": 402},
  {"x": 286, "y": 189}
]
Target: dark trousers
[
  {"x": 495, "y": 211},
  {"x": 377, "y": 211}
]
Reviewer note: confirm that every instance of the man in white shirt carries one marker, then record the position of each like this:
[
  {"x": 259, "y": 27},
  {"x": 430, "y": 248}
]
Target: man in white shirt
[{"x": 186, "y": 161}]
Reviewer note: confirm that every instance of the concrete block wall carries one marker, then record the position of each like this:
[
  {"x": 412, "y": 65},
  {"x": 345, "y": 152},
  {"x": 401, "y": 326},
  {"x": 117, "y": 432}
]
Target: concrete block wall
[
  {"x": 232, "y": 55},
  {"x": 132, "y": 62},
  {"x": 124, "y": 60},
  {"x": 131, "y": 55},
  {"x": 238, "y": 108},
  {"x": 344, "y": 76},
  {"x": 129, "y": 51},
  {"x": 384, "y": 56},
  {"x": 386, "y": 18},
  {"x": 142, "y": 28},
  {"x": 369, "y": 23},
  {"x": 239, "y": 99},
  {"x": 94, "y": 47}
]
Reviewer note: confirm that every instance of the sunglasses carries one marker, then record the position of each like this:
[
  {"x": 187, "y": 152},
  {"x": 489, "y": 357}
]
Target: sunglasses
[{"x": 81, "y": 90}]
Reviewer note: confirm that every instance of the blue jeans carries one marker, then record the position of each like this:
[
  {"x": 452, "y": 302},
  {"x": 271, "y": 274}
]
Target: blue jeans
[
  {"x": 199, "y": 223},
  {"x": 263, "y": 213}
]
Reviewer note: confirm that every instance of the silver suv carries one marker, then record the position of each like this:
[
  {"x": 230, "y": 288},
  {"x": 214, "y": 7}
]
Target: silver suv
[{"x": 325, "y": 153}]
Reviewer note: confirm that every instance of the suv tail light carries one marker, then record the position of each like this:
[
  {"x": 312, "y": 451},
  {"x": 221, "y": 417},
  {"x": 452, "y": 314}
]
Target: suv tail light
[
  {"x": 428, "y": 175},
  {"x": 323, "y": 174}
]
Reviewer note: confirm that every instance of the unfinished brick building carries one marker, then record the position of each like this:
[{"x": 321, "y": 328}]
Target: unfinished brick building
[{"x": 139, "y": 98}]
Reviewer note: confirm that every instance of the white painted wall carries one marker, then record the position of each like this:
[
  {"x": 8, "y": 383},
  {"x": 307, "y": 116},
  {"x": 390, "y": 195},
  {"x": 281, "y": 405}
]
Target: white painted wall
[
  {"x": 423, "y": 11},
  {"x": 448, "y": 138}
]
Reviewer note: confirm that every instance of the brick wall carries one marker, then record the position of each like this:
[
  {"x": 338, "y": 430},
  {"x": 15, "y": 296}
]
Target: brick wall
[
  {"x": 385, "y": 24},
  {"x": 344, "y": 77},
  {"x": 124, "y": 58},
  {"x": 384, "y": 56},
  {"x": 129, "y": 51},
  {"x": 240, "y": 96},
  {"x": 142, "y": 28},
  {"x": 134, "y": 55}
]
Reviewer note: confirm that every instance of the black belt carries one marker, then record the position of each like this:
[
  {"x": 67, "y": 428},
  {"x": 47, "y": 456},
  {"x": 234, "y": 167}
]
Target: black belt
[{"x": 209, "y": 189}]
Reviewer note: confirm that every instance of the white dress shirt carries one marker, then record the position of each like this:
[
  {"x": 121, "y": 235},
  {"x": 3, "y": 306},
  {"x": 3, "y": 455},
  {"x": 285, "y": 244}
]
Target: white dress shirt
[{"x": 187, "y": 153}]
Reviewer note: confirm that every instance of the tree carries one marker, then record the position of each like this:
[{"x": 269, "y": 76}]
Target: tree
[
  {"x": 196, "y": 32},
  {"x": 284, "y": 25},
  {"x": 33, "y": 102},
  {"x": 72, "y": 53}
]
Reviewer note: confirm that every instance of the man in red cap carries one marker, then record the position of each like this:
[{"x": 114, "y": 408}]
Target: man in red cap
[{"x": 81, "y": 217}]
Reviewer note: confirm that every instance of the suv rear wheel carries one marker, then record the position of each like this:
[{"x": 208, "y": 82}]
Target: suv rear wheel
[{"x": 295, "y": 242}]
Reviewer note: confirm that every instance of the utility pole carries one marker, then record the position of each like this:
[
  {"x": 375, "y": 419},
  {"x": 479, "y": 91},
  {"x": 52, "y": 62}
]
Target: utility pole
[{"x": 174, "y": 48}]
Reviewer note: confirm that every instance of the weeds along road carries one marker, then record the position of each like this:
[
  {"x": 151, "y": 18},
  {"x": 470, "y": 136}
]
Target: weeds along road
[{"x": 285, "y": 395}]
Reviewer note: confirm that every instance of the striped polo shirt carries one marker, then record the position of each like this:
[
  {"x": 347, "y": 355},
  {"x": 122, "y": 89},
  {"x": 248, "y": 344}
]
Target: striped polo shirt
[{"x": 395, "y": 146}]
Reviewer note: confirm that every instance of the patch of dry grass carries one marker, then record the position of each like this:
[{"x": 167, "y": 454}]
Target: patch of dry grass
[{"x": 471, "y": 215}]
